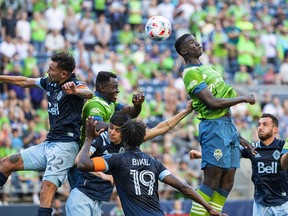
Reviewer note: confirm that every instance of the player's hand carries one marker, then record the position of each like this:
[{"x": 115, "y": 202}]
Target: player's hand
[
  {"x": 138, "y": 98},
  {"x": 189, "y": 106},
  {"x": 216, "y": 213},
  {"x": 91, "y": 131},
  {"x": 247, "y": 145},
  {"x": 250, "y": 99},
  {"x": 194, "y": 154},
  {"x": 108, "y": 178},
  {"x": 69, "y": 88}
]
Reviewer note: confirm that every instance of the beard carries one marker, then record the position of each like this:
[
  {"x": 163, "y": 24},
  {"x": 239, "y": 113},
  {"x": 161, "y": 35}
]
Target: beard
[{"x": 264, "y": 137}]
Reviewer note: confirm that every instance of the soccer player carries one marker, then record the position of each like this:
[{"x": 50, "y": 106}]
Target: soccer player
[
  {"x": 102, "y": 107},
  {"x": 219, "y": 138},
  {"x": 269, "y": 178},
  {"x": 91, "y": 190},
  {"x": 135, "y": 173},
  {"x": 56, "y": 155}
]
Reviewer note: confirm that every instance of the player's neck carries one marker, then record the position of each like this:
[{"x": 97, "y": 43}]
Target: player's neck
[{"x": 268, "y": 141}]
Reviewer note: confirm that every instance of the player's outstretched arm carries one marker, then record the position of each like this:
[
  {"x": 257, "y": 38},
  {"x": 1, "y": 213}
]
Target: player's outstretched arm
[
  {"x": 284, "y": 161},
  {"x": 190, "y": 192},
  {"x": 22, "y": 81},
  {"x": 84, "y": 161},
  {"x": 247, "y": 145},
  {"x": 168, "y": 124},
  {"x": 219, "y": 103},
  {"x": 137, "y": 100}
]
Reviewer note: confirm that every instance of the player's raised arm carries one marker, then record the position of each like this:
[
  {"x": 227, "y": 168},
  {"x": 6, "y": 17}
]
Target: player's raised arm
[
  {"x": 84, "y": 162},
  {"x": 80, "y": 90},
  {"x": 219, "y": 103},
  {"x": 22, "y": 81},
  {"x": 137, "y": 100},
  {"x": 168, "y": 124}
]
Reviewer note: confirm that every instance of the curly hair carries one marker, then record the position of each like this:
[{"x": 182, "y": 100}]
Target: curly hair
[{"x": 133, "y": 133}]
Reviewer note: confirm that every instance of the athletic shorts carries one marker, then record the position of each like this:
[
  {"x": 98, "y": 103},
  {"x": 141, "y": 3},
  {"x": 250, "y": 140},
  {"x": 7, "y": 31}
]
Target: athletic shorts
[
  {"x": 78, "y": 204},
  {"x": 262, "y": 210},
  {"x": 220, "y": 143},
  {"x": 54, "y": 157}
]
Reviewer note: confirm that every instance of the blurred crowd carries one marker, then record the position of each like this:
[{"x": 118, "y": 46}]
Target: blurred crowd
[{"x": 246, "y": 41}]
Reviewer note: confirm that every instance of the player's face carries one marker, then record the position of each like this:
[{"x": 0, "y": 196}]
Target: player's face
[
  {"x": 111, "y": 90},
  {"x": 266, "y": 129},
  {"x": 114, "y": 134},
  {"x": 192, "y": 47},
  {"x": 55, "y": 74}
]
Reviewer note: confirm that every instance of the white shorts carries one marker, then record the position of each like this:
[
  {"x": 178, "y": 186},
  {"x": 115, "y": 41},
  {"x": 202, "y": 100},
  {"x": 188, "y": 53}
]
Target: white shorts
[
  {"x": 54, "y": 157},
  {"x": 261, "y": 210}
]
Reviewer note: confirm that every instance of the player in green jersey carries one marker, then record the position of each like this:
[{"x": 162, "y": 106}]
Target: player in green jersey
[{"x": 219, "y": 138}]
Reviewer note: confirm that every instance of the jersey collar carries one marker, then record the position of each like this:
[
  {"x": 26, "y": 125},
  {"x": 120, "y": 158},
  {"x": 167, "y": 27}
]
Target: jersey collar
[
  {"x": 193, "y": 65},
  {"x": 98, "y": 94}
]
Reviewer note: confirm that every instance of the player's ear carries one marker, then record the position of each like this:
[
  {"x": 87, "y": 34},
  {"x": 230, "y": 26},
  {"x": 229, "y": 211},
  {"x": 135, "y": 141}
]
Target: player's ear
[{"x": 183, "y": 51}]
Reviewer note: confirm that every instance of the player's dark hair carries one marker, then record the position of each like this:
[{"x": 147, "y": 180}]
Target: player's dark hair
[
  {"x": 133, "y": 132},
  {"x": 119, "y": 118},
  {"x": 65, "y": 61},
  {"x": 104, "y": 77},
  {"x": 272, "y": 117},
  {"x": 179, "y": 41}
]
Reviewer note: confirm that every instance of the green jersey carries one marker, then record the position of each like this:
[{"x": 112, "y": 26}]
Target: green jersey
[
  {"x": 100, "y": 109},
  {"x": 198, "y": 77}
]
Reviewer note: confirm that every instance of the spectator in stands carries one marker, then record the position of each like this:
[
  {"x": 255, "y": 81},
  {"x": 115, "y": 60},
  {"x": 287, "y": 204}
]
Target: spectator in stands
[
  {"x": 55, "y": 16},
  {"x": 39, "y": 30},
  {"x": 9, "y": 24},
  {"x": 71, "y": 25},
  {"x": 66, "y": 96},
  {"x": 23, "y": 27},
  {"x": 54, "y": 41},
  {"x": 242, "y": 76},
  {"x": 283, "y": 71}
]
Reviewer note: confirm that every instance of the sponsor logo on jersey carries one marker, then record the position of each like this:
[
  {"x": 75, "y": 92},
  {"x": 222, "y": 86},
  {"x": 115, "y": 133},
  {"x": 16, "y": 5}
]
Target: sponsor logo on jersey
[
  {"x": 218, "y": 154},
  {"x": 270, "y": 169}
]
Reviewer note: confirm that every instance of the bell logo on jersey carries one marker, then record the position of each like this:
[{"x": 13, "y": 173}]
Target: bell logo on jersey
[{"x": 267, "y": 169}]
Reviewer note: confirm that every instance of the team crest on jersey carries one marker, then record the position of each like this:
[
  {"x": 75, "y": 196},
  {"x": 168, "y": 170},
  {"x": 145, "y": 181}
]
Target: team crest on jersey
[
  {"x": 122, "y": 150},
  {"x": 95, "y": 110},
  {"x": 107, "y": 156},
  {"x": 218, "y": 154},
  {"x": 276, "y": 154}
]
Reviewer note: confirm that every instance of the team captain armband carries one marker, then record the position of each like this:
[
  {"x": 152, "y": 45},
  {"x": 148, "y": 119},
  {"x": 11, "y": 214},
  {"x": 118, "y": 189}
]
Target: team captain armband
[{"x": 99, "y": 164}]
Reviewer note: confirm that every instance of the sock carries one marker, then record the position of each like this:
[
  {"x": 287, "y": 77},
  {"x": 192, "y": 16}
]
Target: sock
[
  {"x": 44, "y": 211},
  {"x": 218, "y": 199},
  {"x": 206, "y": 193},
  {"x": 3, "y": 179}
]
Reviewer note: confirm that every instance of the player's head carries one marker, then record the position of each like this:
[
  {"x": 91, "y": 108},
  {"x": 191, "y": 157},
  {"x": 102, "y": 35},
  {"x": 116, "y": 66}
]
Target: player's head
[
  {"x": 116, "y": 121},
  {"x": 65, "y": 61},
  {"x": 107, "y": 85},
  {"x": 133, "y": 133},
  {"x": 187, "y": 46},
  {"x": 267, "y": 126},
  {"x": 61, "y": 67}
]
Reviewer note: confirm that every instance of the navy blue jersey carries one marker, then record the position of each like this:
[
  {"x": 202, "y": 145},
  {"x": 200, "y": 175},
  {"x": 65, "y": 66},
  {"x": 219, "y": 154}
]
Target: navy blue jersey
[
  {"x": 92, "y": 186},
  {"x": 136, "y": 176},
  {"x": 64, "y": 111},
  {"x": 270, "y": 181}
]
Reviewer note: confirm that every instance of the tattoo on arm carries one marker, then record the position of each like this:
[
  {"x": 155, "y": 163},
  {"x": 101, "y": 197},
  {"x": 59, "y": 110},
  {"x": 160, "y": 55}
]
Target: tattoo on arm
[
  {"x": 14, "y": 158},
  {"x": 84, "y": 93}
]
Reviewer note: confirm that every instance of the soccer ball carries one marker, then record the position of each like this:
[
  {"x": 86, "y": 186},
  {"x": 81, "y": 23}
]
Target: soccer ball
[{"x": 158, "y": 28}]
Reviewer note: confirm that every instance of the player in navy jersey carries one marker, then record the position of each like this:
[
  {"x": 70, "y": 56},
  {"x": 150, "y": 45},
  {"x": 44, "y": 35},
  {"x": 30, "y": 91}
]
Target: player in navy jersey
[
  {"x": 269, "y": 178},
  {"x": 93, "y": 190},
  {"x": 135, "y": 173},
  {"x": 65, "y": 94}
]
